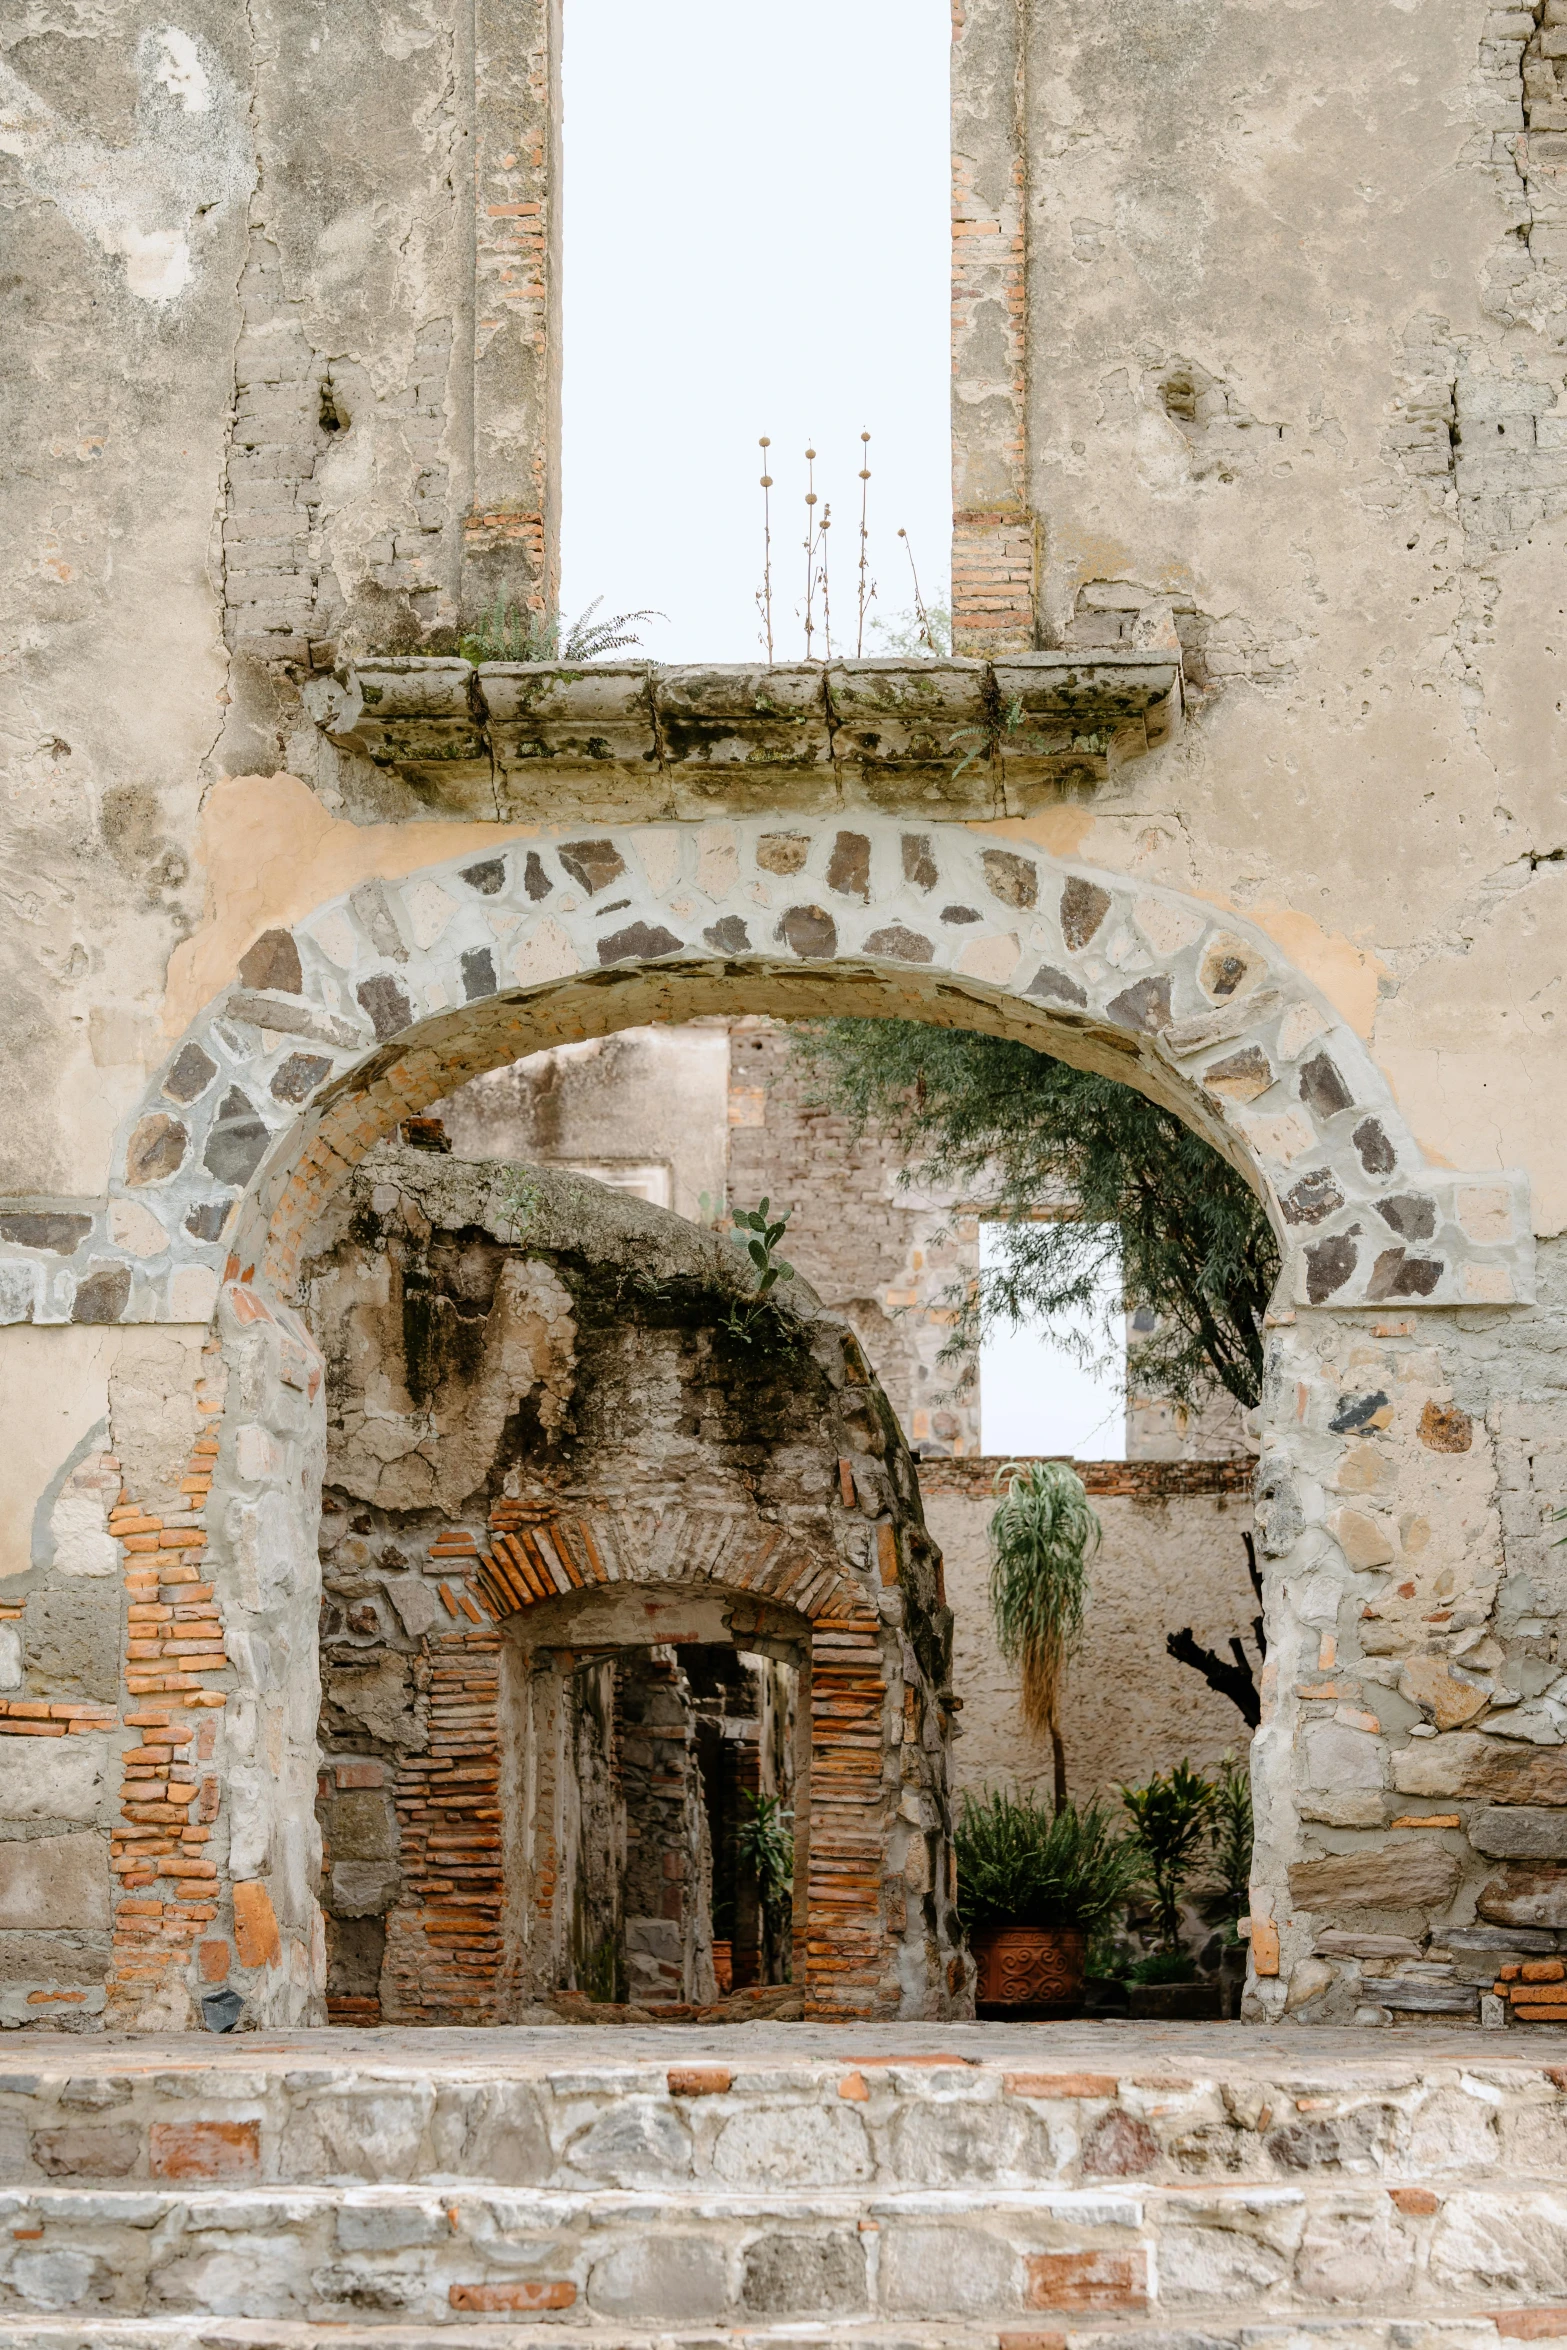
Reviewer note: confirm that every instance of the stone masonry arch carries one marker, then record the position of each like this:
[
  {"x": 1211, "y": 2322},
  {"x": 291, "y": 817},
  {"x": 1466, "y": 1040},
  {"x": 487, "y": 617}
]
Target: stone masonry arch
[{"x": 390, "y": 995}]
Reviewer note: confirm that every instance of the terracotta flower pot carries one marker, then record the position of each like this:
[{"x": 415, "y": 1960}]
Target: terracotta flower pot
[{"x": 1026, "y": 1970}]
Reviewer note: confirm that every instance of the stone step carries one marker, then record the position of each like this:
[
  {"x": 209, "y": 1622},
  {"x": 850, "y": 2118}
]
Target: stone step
[
  {"x": 1153, "y": 2187},
  {"x": 1216, "y": 2260},
  {"x": 1473, "y": 2332}
]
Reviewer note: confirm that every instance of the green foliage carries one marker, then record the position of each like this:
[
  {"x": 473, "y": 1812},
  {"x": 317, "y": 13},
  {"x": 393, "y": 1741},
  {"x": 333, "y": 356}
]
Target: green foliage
[
  {"x": 1011, "y": 734},
  {"x": 921, "y": 635},
  {"x": 764, "y": 1843},
  {"x": 1163, "y": 1966},
  {"x": 1171, "y": 1816},
  {"x": 1232, "y": 1841},
  {"x": 507, "y": 633},
  {"x": 979, "y": 1112},
  {"x": 1042, "y": 1534},
  {"x": 518, "y": 1193},
  {"x": 1022, "y": 1863},
  {"x": 745, "y": 1320}
]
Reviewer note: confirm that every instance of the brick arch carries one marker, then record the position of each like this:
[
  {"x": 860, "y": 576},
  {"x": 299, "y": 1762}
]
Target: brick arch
[
  {"x": 389, "y": 997},
  {"x": 530, "y": 1558}
]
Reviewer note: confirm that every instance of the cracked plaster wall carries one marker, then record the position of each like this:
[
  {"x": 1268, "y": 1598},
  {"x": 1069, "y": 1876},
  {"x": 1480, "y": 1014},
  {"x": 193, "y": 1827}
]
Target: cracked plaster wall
[
  {"x": 1295, "y": 362},
  {"x": 279, "y": 376}
]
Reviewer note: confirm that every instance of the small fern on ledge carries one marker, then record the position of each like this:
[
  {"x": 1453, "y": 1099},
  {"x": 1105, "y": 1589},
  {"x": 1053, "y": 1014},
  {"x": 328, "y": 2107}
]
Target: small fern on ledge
[{"x": 506, "y": 633}]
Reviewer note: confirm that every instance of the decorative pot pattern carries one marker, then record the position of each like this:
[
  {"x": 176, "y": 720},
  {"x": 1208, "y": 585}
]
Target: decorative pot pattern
[{"x": 1030, "y": 1966}]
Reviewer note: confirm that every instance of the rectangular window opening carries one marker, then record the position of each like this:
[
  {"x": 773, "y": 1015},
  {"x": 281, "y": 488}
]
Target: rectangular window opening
[
  {"x": 756, "y": 240},
  {"x": 1035, "y": 1395}
]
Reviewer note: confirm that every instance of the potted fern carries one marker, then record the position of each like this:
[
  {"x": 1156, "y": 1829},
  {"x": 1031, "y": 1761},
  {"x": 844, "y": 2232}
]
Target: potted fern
[
  {"x": 1172, "y": 1818},
  {"x": 1034, "y": 1882},
  {"x": 1042, "y": 1536}
]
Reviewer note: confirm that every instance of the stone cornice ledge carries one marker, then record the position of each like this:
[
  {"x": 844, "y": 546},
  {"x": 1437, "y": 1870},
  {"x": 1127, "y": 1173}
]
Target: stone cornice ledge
[{"x": 636, "y": 741}]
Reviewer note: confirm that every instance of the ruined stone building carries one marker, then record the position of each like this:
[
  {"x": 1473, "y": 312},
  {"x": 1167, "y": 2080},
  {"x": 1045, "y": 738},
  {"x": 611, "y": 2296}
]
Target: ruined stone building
[{"x": 1258, "y": 446}]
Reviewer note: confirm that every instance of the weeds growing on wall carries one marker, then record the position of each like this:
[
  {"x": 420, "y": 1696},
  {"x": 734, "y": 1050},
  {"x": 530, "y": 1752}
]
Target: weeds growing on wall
[
  {"x": 915, "y": 635},
  {"x": 749, "y": 1317},
  {"x": 1138, "y": 1191},
  {"x": 1042, "y": 1535},
  {"x": 507, "y": 633}
]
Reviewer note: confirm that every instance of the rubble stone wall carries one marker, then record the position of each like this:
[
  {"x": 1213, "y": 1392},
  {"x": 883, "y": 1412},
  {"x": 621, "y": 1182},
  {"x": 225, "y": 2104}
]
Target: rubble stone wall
[{"x": 545, "y": 1445}]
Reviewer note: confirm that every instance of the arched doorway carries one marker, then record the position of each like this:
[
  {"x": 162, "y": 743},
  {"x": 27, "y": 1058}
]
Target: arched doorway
[{"x": 387, "y": 996}]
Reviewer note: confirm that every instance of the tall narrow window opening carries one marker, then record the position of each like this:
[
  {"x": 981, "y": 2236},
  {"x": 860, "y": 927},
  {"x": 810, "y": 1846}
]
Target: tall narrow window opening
[{"x": 756, "y": 241}]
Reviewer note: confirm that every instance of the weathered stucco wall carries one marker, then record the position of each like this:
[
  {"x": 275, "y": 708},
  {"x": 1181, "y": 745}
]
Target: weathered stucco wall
[
  {"x": 1270, "y": 349},
  {"x": 1168, "y": 1559}
]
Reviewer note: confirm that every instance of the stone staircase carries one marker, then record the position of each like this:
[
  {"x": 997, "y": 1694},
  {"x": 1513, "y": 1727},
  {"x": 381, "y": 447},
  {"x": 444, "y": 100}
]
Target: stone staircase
[{"x": 968, "y": 2187}]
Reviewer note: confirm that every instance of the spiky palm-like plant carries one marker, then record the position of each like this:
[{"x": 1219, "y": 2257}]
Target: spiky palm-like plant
[{"x": 1042, "y": 1535}]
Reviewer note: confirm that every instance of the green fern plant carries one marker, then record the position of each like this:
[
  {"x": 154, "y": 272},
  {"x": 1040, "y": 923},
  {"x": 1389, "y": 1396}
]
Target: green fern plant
[
  {"x": 1232, "y": 1842},
  {"x": 507, "y": 633},
  {"x": 1042, "y": 1536},
  {"x": 1020, "y": 1863},
  {"x": 1171, "y": 1818},
  {"x": 764, "y": 1844}
]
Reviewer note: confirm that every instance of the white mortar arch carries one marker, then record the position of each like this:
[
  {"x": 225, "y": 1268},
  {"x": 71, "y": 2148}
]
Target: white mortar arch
[{"x": 388, "y": 997}]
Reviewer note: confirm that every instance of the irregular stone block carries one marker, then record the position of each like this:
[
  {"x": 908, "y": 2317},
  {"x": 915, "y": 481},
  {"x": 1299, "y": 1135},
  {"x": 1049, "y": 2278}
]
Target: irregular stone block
[
  {"x": 935, "y": 2271},
  {"x": 53, "y": 1881},
  {"x": 1518, "y": 1833},
  {"x": 1426, "y": 1681},
  {"x": 53, "y": 1958},
  {"x": 804, "y": 2275},
  {"x": 1525, "y": 1897},
  {"x": 1392, "y": 1876},
  {"x": 364, "y": 1888},
  {"x": 665, "y": 2279},
  {"x": 808, "y": 2146},
  {"x": 1339, "y": 1757},
  {"x": 83, "y": 2152},
  {"x": 51, "y": 1778},
  {"x": 638, "y": 2144},
  {"x": 1467, "y": 1764},
  {"x": 952, "y": 2144}
]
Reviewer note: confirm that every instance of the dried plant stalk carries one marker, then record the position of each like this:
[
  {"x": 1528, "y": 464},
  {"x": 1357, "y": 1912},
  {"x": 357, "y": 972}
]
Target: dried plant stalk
[
  {"x": 764, "y": 594},
  {"x": 867, "y": 584}
]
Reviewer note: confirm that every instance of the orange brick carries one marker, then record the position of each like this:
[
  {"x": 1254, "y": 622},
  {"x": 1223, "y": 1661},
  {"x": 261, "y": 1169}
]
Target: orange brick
[
  {"x": 213, "y": 1959},
  {"x": 255, "y": 1922},
  {"x": 1543, "y": 1970},
  {"x": 1415, "y": 2202},
  {"x": 1088, "y": 2280},
  {"x": 204, "y": 2150},
  {"x": 516, "y": 2293},
  {"x": 699, "y": 2080}
]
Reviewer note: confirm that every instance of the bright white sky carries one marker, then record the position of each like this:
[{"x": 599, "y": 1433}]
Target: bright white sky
[
  {"x": 1035, "y": 1398},
  {"x": 756, "y": 240}
]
